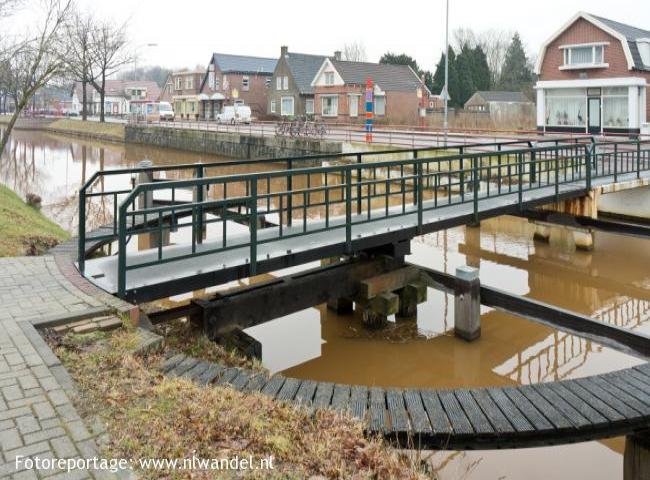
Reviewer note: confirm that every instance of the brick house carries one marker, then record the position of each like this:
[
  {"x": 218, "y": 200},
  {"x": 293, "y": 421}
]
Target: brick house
[
  {"x": 291, "y": 92},
  {"x": 234, "y": 79},
  {"x": 181, "y": 89},
  {"x": 121, "y": 97},
  {"x": 593, "y": 77},
  {"x": 399, "y": 95}
]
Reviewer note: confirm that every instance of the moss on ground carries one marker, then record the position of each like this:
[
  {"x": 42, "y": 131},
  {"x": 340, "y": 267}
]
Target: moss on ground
[
  {"x": 23, "y": 229},
  {"x": 133, "y": 401}
]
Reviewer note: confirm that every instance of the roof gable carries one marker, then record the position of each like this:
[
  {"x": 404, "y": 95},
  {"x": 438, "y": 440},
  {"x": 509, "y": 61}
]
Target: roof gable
[
  {"x": 303, "y": 68},
  {"x": 389, "y": 77},
  {"x": 626, "y": 34}
]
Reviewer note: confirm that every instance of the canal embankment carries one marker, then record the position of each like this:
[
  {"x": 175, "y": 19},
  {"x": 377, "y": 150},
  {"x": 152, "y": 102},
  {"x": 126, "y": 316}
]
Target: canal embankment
[
  {"x": 111, "y": 132},
  {"x": 24, "y": 230}
]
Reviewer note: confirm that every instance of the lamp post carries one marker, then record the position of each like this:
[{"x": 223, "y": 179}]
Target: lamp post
[{"x": 446, "y": 92}]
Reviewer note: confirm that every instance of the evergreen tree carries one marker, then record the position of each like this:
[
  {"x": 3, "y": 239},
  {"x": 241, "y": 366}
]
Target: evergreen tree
[
  {"x": 438, "y": 79},
  {"x": 517, "y": 74},
  {"x": 465, "y": 72},
  {"x": 480, "y": 70},
  {"x": 401, "y": 59}
]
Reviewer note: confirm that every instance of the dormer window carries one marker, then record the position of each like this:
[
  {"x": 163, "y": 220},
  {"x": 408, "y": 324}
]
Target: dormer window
[
  {"x": 590, "y": 55},
  {"x": 329, "y": 78}
]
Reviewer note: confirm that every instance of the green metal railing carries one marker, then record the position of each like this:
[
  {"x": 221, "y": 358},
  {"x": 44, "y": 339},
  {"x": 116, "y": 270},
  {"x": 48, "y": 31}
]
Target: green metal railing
[
  {"x": 88, "y": 192},
  {"x": 342, "y": 197}
]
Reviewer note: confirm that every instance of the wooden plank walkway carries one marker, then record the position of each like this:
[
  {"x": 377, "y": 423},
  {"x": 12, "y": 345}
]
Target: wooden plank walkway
[{"x": 566, "y": 411}]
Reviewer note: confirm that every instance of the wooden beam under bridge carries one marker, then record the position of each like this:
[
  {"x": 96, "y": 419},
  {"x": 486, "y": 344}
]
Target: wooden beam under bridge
[
  {"x": 621, "y": 339},
  {"x": 262, "y": 302}
]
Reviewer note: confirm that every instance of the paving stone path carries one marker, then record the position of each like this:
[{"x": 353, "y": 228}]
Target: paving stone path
[{"x": 37, "y": 416}]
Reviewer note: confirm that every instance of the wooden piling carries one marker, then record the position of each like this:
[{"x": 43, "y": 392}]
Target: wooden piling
[
  {"x": 636, "y": 461},
  {"x": 467, "y": 304}
]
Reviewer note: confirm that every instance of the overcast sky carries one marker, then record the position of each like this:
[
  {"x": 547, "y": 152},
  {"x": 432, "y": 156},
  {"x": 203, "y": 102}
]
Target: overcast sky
[{"x": 187, "y": 32}]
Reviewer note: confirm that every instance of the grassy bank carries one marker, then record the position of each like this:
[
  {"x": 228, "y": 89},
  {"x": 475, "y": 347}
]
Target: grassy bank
[
  {"x": 212, "y": 422},
  {"x": 102, "y": 131},
  {"x": 23, "y": 229}
]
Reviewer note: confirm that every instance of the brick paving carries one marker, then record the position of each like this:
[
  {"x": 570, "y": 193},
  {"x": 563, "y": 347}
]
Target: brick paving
[{"x": 37, "y": 416}]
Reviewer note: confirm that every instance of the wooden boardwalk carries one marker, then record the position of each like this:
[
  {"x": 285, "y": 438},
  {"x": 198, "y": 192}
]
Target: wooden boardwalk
[{"x": 567, "y": 411}]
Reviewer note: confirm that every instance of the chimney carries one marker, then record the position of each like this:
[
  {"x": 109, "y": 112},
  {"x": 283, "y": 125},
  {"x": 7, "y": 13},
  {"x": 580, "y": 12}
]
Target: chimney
[
  {"x": 284, "y": 50},
  {"x": 337, "y": 55}
]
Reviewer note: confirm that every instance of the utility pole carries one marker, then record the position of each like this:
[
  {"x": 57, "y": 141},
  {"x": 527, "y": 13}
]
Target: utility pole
[{"x": 446, "y": 93}]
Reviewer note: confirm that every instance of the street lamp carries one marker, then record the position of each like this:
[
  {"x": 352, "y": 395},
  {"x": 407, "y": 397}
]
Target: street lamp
[
  {"x": 135, "y": 57},
  {"x": 446, "y": 91}
]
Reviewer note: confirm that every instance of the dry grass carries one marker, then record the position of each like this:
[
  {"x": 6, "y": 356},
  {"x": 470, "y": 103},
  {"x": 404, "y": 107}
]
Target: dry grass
[
  {"x": 148, "y": 415},
  {"x": 23, "y": 229},
  {"x": 107, "y": 130},
  {"x": 183, "y": 337}
]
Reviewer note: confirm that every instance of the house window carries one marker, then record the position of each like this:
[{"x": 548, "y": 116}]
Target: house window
[
  {"x": 380, "y": 106},
  {"x": 211, "y": 80},
  {"x": 245, "y": 83},
  {"x": 179, "y": 84},
  {"x": 286, "y": 106},
  {"x": 566, "y": 107},
  {"x": 189, "y": 83},
  {"x": 272, "y": 106},
  {"x": 329, "y": 78},
  {"x": 278, "y": 83},
  {"x": 217, "y": 86},
  {"x": 330, "y": 105},
  {"x": 285, "y": 83},
  {"x": 268, "y": 82},
  {"x": 354, "y": 105},
  {"x": 615, "y": 107},
  {"x": 309, "y": 106},
  {"x": 581, "y": 56}
]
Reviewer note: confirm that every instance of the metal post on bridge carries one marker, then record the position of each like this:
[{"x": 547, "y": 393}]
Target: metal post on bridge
[
  {"x": 348, "y": 210},
  {"x": 253, "y": 227},
  {"x": 476, "y": 184},
  {"x": 289, "y": 193},
  {"x": 81, "y": 244},
  {"x": 638, "y": 158},
  {"x": 198, "y": 198}
]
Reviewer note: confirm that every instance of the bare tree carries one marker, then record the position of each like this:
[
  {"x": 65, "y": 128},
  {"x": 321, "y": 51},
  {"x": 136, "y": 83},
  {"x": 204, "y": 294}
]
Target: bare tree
[
  {"x": 109, "y": 44},
  {"x": 79, "y": 53},
  {"x": 495, "y": 44},
  {"x": 464, "y": 37},
  {"x": 36, "y": 60},
  {"x": 354, "y": 52}
]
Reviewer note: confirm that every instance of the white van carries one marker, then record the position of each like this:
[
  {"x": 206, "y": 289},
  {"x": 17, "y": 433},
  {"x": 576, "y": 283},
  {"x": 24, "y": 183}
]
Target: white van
[
  {"x": 235, "y": 114},
  {"x": 166, "y": 111}
]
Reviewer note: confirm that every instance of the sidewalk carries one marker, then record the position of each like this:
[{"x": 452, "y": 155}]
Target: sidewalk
[{"x": 37, "y": 416}]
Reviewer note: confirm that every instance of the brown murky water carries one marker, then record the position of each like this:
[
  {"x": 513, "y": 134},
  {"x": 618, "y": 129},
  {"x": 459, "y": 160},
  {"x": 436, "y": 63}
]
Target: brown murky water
[{"x": 605, "y": 284}]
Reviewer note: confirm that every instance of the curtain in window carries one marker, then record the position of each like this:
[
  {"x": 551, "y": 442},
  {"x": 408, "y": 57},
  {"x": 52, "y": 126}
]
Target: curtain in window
[
  {"x": 309, "y": 106},
  {"x": 566, "y": 107},
  {"x": 330, "y": 106},
  {"x": 380, "y": 105},
  {"x": 287, "y": 106},
  {"x": 615, "y": 107},
  {"x": 581, "y": 55}
]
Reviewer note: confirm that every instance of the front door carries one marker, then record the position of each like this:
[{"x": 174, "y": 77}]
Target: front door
[{"x": 594, "y": 115}]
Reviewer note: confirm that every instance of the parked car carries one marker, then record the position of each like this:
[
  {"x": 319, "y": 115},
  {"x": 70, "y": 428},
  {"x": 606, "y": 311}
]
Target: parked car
[
  {"x": 166, "y": 111},
  {"x": 235, "y": 114}
]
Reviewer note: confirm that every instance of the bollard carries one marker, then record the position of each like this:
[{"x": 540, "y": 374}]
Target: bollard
[
  {"x": 467, "y": 304},
  {"x": 636, "y": 460}
]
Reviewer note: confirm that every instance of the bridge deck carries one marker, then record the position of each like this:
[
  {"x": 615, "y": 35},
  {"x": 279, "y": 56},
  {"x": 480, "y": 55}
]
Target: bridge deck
[
  {"x": 103, "y": 271},
  {"x": 564, "y": 411},
  {"x": 228, "y": 264}
]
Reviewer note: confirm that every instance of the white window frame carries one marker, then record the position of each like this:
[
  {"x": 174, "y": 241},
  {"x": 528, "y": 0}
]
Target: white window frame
[
  {"x": 178, "y": 84},
  {"x": 285, "y": 83},
  {"x": 374, "y": 105},
  {"x": 245, "y": 83},
  {"x": 293, "y": 106},
  {"x": 353, "y": 98},
  {"x": 217, "y": 83},
  {"x": 272, "y": 106},
  {"x": 335, "y": 112},
  {"x": 278, "y": 83},
  {"x": 567, "y": 53},
  {"x": 309, "y": 101},
  {"x": 329, "y": 78}
]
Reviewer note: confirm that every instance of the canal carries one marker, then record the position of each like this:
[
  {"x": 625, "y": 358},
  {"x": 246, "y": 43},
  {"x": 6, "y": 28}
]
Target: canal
[{"x": 604, "y": 284}]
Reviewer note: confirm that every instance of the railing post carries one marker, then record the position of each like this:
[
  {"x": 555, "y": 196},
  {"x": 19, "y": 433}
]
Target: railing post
[
  {"x": 252, "y": 221},
  {"x": 476, "y": 183},
  {"x": 81, "y": 256},
  {"x": 533, "y": 164},
  {"x": 417, "y": 187},
  {"x": 348, "y": 210},
  {"x": 557, "y": 178},
  {"x": 615, "y": 163},
  {"x": 420, "y": 187},
  {"x": 359, "y": 185},
  {"x": 638, "y": 157},
  {"x": 289, "y": 192},
  {"x": 520, "y": 180},
  {"x": 199, "y": 199},
  {"x": 121, "y": 252},
  {"x": 588, "y": 155}
]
